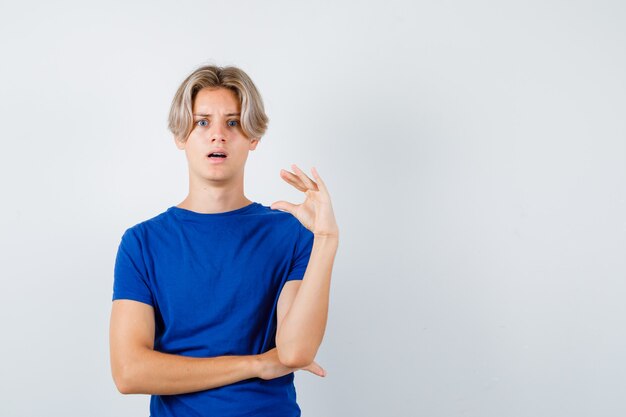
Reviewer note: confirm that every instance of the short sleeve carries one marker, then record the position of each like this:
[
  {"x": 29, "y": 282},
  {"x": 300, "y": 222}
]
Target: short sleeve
[
  {"x": 130, "y": 276},
  {"x": 302, "y": 253}
]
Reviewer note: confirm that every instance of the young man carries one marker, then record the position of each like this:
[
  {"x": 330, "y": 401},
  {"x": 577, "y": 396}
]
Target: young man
[{"x": 219, "y": 299}]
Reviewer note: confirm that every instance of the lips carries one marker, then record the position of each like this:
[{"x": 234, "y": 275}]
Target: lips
[
  {"x": 217, "y": 153},
  {"x": 216, "y": 157}
]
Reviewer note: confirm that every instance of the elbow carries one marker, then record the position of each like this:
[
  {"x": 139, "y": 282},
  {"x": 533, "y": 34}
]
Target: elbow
[
  {"x": 295, "y": 358},
  {"x": 124, "y": 380},
  {"x": 123, "y": 387},
  {"x": 129, "y": 370}
]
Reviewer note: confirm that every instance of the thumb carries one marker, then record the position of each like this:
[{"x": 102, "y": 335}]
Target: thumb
[{"x": 283, "y": 206}]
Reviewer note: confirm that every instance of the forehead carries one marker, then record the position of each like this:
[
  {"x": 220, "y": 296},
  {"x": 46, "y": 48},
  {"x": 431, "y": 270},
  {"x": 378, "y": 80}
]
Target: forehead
[{"x": 216, "y": 101}]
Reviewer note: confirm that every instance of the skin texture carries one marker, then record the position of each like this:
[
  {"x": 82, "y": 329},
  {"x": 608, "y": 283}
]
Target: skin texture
[{"x": 302, "y": 306}]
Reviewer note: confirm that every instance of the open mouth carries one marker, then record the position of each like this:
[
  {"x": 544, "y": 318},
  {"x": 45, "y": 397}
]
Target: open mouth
[{"x": 216, "y": 155}]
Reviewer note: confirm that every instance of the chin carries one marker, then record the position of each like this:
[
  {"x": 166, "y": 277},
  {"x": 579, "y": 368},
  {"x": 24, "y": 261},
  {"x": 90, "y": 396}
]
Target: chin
[{"x": 217, "y": 177}]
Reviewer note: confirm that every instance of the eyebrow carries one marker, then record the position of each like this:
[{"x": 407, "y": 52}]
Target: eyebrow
[{"x": 207, "y": 114}]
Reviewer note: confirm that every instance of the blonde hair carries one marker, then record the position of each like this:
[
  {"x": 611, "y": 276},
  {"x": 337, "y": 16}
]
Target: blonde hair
[{"x": 253, "y": 118}]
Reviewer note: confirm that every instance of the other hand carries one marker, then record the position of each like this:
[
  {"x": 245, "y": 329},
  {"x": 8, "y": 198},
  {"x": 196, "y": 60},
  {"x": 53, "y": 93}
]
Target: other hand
[{"x": 270, "y": 367}]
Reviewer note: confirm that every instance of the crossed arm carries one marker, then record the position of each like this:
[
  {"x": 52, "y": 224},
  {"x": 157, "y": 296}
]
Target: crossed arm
[{"x": 138, "y": 369}]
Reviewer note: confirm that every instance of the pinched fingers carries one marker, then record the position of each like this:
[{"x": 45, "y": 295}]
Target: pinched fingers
[
  {"x": 293, "y": 179},
  {"x": 310, "y": 184}
]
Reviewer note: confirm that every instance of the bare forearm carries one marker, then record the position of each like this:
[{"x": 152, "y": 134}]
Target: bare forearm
[
  {"x": 153, "y": 372},
  {"x": 302, "y": 329}
]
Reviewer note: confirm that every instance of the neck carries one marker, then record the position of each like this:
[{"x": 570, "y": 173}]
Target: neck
[{"x": 214, "y": 198}]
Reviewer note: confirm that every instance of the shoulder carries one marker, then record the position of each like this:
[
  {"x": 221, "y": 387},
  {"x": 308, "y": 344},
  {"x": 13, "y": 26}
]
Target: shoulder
[
  {"x": 141, "y": 230},
  {"x": 281, "y": 218}
]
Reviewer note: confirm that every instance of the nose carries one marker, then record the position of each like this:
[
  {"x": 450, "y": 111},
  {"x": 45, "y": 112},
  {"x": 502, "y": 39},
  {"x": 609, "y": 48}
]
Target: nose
[{"x": 217, "y": 133}]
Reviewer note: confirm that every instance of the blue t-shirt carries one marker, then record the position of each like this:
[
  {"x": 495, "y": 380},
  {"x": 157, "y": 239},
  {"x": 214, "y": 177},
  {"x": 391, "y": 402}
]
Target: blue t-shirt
[{"x": 214, "y": 282}]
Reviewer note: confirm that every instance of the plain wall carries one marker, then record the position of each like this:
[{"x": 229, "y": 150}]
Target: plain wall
[{"x": 476, "y": 157}]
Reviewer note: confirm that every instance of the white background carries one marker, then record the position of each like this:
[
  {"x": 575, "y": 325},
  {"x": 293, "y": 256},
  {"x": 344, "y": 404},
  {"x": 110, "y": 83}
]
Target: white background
[{"x": 476, "y": 157}]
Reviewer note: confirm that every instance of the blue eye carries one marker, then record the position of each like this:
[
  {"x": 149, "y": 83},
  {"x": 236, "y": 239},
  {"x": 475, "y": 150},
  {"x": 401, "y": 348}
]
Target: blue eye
[
  {"x": 233, "y": 121},
  {"x": 202, "y": 123}
]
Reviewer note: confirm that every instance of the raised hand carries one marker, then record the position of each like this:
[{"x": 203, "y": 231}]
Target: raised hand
[{"x": 316, "y": 212}]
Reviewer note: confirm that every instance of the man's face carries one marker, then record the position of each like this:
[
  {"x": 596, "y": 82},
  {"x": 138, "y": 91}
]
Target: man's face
[{"x": 217, "y": 128}]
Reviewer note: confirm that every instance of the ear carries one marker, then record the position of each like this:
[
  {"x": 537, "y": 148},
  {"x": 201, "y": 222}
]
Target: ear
[
  {"x": 179, "y": 144},
  {"x": 253, "y": 143}
]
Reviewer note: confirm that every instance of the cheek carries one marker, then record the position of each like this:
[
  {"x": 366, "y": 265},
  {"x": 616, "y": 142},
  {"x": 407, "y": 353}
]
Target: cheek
[
  {"x": 240, "y": 155},
  {"x": 195, "y": 135},
  {"x": 193, "y": 149}
]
